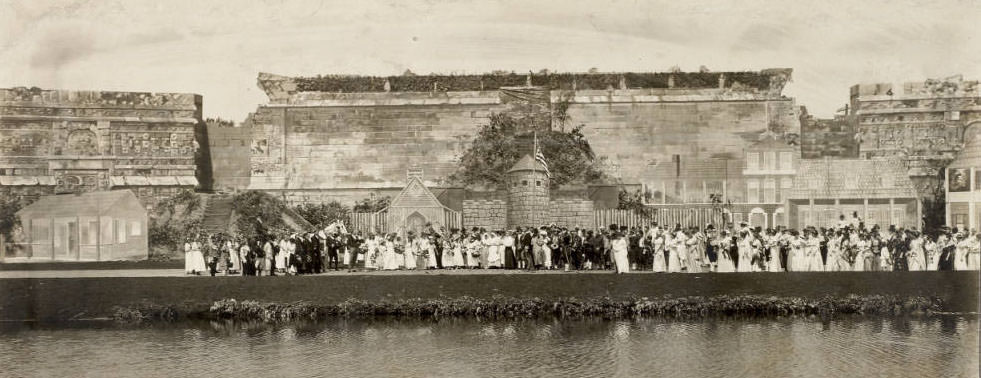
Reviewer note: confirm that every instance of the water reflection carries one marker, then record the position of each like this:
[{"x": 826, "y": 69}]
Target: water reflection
[{"x": 936, "y": 346}]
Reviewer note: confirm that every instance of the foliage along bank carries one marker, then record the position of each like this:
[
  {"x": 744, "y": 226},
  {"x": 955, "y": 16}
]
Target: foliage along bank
[{"x": 502, "y": 307}]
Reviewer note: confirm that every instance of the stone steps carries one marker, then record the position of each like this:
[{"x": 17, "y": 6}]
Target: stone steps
[{"x": 218, "y": 214}]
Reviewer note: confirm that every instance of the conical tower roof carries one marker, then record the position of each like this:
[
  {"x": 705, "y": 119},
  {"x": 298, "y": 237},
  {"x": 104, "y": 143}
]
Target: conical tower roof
[
  {"x": 527, "y": 163},
  {"x": 970, "y": 155}
]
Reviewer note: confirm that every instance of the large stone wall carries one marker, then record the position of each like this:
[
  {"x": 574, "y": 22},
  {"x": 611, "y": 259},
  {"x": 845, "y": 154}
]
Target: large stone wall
[
  {"x": 486, "y": 214},
  {"x": 338, "y": 142},
  {"x": 571, "y": 213},
  {"x": 636, "y": 136},
  {"x": 231, "y": 149},
  {"x": 57, "y": 141},
  {"x": 353, "y": 146}
]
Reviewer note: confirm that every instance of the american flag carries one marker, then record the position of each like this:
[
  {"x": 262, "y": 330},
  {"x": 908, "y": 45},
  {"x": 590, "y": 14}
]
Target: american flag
[{"x": 541, "y": 157}]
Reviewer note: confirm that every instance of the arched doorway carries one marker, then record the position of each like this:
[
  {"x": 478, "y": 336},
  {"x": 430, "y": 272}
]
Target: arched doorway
[{"x": 415, "y": 223}]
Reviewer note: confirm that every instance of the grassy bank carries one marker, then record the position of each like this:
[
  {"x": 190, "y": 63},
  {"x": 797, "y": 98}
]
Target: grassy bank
[
  {"x": 92, "y": 265},
  {"x": 82, "y": 298}
]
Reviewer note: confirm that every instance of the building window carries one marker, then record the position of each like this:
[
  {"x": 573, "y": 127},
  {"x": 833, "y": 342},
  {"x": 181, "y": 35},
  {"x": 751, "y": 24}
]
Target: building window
[
  {"x": 752, "y": 191},
  {"x": 786, "y": 161},
  {"x": 89, "y": 230},
  {"x": 757, "y": 218},
  {"x": 955, "y": 115},
  {"x": 770, "y": 191},
  {"x": 524, "y": 182},
  {"x": 770, "y": 160},
  {"x": 120, "y": 230},
  {"x": 40, "y": 230},
  {"x": 105, "y": 230},
  {"x": 538, "y": 183},
  {"x": 752, "y": 161},
  {"x": 135, "y": 228}
]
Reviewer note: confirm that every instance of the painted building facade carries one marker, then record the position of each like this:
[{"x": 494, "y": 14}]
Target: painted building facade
[
  {"x": 922, "y": 123},
  {"x": 877, "y": 190},
  {"x": 58, "y": 141},
  {"x": 963, "y": 184}
]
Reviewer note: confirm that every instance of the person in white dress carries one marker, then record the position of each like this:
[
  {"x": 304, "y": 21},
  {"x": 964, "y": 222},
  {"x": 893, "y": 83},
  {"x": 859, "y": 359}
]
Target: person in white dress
[
  {"x": 188, "y": 259},
  {"x": 860, "y": 243},
  {"x": 835, "y": 257},
  {"x": 773, "y": 243},
  {"x": 745, "y": 246},
  {"x": 474, "y": 249},
  {"x": 798, "y": 253},
  {"x": 197, "y": 264},
  {"x": 660, "y": 265},
  {"x": 813, "y": 251},
  {"x": 961, "y": 251},
  {"x": 409, "y": 253},
  {"x": 670, "y": 248},
  {"x": 493, "y": 242},
  {"x": 694, "y": 249},
  {"x": 459, "y": 251},
  {"x": 619, "y": 246},
  {"x": 547, "y": 250},
  {"x": 974, "y": 252},
  {"x": 449, "y": 255},
  {"x": 917, "y": 254},
  {"x": 283, "y": 255},
  {"x": 724, "y": 263}
]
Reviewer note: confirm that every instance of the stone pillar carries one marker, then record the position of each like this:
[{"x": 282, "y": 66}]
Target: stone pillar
[
  {"x": 865, "y": 210},
  {"x": 810, "y": 212},
  {"x": 892, "y": 203},
  {"x": 971, "y": 219}
]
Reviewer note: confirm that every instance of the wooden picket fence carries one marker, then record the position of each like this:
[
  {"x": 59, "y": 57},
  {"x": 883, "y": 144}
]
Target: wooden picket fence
[
  {"x": 368, "y": 222},
  {"x": 664, "y": 216}
]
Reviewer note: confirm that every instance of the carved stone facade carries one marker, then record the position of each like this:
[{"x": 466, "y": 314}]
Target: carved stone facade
[
  {"x": 922, "y": 123},
  {"x": 57, "y": 141}
]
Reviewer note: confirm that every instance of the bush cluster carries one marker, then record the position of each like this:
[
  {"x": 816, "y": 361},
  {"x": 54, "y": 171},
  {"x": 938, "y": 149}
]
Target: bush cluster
[{"x": 514, "y": 307}]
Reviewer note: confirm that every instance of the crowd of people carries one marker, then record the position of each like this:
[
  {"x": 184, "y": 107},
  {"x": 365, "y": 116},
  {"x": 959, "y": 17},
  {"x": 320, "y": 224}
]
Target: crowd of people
[{"x": 849, "y": 246}]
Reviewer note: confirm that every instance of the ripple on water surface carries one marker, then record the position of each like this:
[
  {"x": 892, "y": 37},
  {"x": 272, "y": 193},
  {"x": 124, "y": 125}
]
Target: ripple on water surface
[{"x": 937, "y": 346}]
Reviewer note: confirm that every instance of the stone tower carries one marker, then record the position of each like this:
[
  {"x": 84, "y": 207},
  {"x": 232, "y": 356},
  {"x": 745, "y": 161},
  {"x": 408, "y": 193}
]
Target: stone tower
[{"x": 527, "y": 193}]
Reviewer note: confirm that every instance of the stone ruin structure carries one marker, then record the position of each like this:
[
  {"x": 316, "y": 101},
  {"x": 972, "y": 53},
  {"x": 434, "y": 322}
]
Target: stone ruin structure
[
  {"x": 349, "y": 137},
  {"x": 60, "y": 141}
]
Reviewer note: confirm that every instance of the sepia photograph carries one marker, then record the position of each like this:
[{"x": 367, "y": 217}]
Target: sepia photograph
[{"x": 500, "y": 188}]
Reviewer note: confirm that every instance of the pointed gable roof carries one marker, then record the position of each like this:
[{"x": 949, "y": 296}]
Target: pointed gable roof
[
  {"x": 415, "y": 194},
  {"x": 527, "y": 163}
]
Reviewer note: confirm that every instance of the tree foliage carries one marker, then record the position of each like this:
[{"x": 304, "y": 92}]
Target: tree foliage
[
  {"x": 9, "y": 206},
  {"x": 371, "y": 205},
  {"x": 323, "y": 214},
  {"x": 636, "y": 201},
  {"x": 260, "y": 215},
  {"x": 499, "y": 144}
]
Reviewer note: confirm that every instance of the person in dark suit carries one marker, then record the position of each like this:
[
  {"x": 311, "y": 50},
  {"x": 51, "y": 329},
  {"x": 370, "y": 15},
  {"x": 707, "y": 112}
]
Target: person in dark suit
[
  {"x": 334, "y": 244},
  {"x": 354, "y": 247},
  {"x": 316, "y": 253},
  {"x": 527, "y": 259}
]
